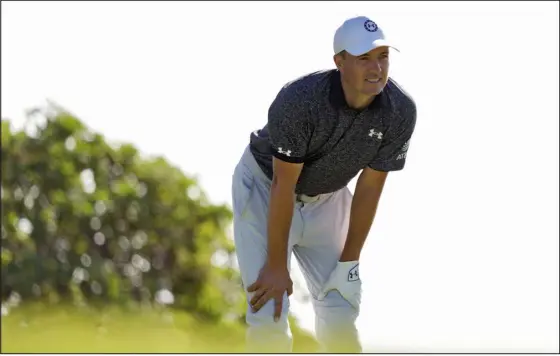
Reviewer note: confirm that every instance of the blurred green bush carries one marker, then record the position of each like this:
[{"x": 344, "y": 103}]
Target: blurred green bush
[{"x": 86, "y": 221}]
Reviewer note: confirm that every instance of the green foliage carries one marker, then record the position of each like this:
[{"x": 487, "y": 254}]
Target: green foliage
[
  {"x": 87, "y": 222},
  {"x": 36, "y": 328}
]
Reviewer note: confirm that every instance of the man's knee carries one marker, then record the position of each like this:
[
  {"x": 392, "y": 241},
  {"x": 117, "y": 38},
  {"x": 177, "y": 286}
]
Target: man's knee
[
  {"x": 335, "y": 324},
  {"x": 331, "y": 317},
  {"x": 266, "y": 335},
  {"x": 264, "y": 317}
]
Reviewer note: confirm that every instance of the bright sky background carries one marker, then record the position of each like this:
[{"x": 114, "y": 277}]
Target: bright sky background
[{"x": 463, "y": 254}]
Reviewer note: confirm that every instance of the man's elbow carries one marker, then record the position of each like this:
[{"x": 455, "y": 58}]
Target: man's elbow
[
  {"x": 282, "y": 185},
  {"x": 371, "y": 179}
]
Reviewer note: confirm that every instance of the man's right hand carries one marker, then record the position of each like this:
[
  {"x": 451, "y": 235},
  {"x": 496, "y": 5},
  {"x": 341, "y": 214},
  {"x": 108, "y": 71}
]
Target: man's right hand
[{"x": 271, "y": 284}]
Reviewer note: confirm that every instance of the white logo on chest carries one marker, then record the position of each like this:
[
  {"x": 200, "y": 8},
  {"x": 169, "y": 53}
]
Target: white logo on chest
[
  {"x": 378, "y": 134},
  {"x": 287, "y": 153}
]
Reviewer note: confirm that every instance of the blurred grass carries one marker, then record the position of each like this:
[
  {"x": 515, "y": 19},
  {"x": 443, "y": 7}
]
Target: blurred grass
[{"x": 54, "y": 329}]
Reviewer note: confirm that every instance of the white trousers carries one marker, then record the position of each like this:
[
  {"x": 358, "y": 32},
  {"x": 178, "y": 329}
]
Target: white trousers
[{"x": 317, "y": 237}]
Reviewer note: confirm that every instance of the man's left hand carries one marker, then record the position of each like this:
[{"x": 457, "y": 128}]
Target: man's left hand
[{"x": 346, "y": 279}]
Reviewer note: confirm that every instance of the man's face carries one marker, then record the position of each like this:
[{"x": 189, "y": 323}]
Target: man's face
[{"x": 366, "y": 74}]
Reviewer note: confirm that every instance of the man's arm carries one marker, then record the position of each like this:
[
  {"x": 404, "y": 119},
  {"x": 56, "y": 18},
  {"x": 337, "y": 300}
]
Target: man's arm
[
  {"x": 274, "y": 279},
  {"x": 289, "y": 126},
  {"x": 391, "y": 156},
  {"x": 362, "y": 212},
  {"x": 281, "y": 209}
]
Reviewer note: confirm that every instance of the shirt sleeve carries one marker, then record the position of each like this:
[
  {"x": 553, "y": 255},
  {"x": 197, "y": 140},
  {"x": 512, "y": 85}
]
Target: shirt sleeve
[
  {"x": 394, "y": 148},
  {"x": 289, "y": 125}
]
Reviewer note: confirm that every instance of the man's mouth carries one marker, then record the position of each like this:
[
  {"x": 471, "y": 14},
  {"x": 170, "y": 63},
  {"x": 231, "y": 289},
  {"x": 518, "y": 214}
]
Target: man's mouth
[{"x": 373, "y": 80}]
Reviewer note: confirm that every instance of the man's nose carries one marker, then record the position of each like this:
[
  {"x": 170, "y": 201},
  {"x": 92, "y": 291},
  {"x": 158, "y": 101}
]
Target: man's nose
[{"x": 375, "y": 66}]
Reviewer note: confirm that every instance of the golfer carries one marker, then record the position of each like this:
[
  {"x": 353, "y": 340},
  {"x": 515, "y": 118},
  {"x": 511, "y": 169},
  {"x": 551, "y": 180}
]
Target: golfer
[{"x": 290, "y": 194}]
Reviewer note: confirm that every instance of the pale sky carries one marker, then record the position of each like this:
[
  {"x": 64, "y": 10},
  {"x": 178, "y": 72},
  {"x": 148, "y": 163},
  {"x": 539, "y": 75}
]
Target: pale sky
[{"x": 463, "y": 254}]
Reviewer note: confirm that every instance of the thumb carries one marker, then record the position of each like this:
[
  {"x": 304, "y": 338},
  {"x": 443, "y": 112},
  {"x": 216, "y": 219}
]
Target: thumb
[
  {"x": 323, "y": 293},
  {"x": 324, "y": 290}
]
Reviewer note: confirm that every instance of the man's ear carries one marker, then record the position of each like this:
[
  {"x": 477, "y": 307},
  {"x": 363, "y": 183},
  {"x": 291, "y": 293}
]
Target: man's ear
[
  {"x": 338, "y": 63},
  {"x": 338, "y": 60}
]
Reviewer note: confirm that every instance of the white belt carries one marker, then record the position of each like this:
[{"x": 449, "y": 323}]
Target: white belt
[{"x": 307, "y": 199}]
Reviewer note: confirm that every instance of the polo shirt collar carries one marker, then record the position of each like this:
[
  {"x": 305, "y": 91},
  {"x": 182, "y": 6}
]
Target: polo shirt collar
[{"x": 336, "y": 95}]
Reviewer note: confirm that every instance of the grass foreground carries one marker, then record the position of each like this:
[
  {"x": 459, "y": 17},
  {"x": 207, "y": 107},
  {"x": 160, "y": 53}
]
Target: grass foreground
[{"x": 56, "y": 329}]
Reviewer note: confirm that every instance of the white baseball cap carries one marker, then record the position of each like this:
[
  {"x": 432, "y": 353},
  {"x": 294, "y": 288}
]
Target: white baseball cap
[{"x": 359, "y": 35}]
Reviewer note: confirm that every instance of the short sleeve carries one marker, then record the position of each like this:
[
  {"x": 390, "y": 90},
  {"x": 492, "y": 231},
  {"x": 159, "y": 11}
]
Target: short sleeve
[
  {"x": 394, "y": 148},
  {"x": 289, "y": 125}
]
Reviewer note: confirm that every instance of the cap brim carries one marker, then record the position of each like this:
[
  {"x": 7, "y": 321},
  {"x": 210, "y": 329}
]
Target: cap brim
[{"x": 366, "y": 47}]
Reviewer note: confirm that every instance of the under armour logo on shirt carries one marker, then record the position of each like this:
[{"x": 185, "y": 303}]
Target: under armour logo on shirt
[
  {"x": 353, "y": 274},
  {"x": 287, "y": 153},
  {"x": 379, "y": 134}
]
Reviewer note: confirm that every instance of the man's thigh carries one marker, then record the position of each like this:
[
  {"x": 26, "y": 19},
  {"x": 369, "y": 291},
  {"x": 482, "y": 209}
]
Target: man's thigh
[
  {"x": 250, "y": 224},
  {"x": 250, "y": 216},
  {"x": 326, "y": 227}
]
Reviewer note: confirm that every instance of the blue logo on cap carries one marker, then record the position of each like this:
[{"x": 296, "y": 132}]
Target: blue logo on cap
[{"x": 370, "y": 26}]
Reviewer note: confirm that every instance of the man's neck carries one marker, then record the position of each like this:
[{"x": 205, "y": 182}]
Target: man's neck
[{"x": 356, "y": 100}]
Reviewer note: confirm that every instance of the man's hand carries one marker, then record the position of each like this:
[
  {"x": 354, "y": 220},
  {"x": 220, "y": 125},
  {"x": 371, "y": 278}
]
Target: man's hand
[
  {"x": 271, "y": 284},
  {"x": 346, "y": 279}
]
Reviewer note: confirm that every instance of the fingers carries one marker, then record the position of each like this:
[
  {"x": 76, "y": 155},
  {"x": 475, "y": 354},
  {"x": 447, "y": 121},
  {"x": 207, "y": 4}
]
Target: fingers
[
  {"x": 260, "y": 302},
  {"x": 278, "y": 307},
  {"x": 278, "y": 301},
  {"x": 258, "y": 295}
]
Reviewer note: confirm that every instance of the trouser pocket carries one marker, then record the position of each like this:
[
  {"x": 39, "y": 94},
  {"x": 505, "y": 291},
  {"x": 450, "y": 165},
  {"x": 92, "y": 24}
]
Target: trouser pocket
[{"x": 242, "y": 188}]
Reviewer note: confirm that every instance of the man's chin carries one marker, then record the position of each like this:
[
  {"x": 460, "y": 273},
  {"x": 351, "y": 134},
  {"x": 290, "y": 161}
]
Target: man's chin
[
  {"x": 374, "y": 88},
  {"x": 372, "y": 91}
]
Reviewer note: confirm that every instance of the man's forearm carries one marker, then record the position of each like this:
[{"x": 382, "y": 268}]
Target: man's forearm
[
  {"x": 362, "y": 214},
  {"x": 281, "y": 208}
]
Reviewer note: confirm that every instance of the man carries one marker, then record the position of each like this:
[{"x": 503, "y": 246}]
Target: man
[{"x": 290, "y": 190}]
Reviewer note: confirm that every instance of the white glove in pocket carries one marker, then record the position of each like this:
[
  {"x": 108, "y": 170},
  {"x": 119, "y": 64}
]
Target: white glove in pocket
[{"x": 346, "y": 279}]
